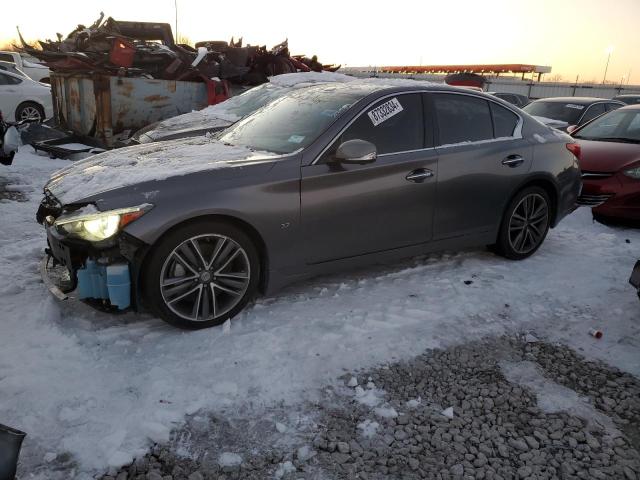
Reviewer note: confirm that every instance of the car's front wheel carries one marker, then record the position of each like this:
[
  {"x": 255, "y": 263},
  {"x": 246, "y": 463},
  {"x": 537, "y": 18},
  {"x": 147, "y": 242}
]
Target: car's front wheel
[
  {"x": 201, "y": 274},
  {"x": 525, "y": 224}
]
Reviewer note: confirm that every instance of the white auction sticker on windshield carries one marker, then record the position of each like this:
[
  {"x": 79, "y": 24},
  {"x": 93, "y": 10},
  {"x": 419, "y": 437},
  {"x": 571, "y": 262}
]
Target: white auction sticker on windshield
[
  {"x": 385, "y": 111},
  {"x": 296, "y": 138},
  {"x": 573, "y": 105}
]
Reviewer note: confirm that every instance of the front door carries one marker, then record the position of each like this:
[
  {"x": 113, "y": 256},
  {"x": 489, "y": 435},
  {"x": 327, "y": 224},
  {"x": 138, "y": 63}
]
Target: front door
[{"x": 350, "y": 210}]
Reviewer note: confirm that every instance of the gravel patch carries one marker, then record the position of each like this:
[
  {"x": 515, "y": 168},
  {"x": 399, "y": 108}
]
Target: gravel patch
[{"x": 502, "y": 408}]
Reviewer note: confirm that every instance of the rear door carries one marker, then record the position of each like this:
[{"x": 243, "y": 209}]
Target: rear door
[
  {"x": 350, "y": 210},
  {"x": 481, "y": 157}
]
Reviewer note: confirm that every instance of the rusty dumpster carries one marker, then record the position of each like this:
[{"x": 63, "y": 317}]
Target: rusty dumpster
[{"x": 107, "y": 108}]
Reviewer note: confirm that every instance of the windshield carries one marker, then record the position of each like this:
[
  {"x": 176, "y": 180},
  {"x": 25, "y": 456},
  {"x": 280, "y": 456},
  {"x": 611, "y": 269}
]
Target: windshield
[
  {"x": 619, "y": 125},
  {"x": 566, "y": 112},
  {"x": 294, "y": 120}
]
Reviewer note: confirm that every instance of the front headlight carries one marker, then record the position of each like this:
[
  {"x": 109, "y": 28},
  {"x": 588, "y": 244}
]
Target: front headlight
[
  {"x": 98, "y": 226},
  {"x": 633, "y": 173}
]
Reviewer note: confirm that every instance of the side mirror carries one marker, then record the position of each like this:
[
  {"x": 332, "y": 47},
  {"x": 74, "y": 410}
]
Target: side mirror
[
  {"x": 571, "y": 129},
  {"x": 356, "y": 151}
]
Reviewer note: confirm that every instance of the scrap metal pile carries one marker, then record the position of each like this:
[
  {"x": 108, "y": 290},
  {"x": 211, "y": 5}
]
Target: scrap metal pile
[{"x": 148, "y": 50}]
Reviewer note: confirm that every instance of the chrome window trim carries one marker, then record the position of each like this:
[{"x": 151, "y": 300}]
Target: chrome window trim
[{"x": 517, "y": 132}]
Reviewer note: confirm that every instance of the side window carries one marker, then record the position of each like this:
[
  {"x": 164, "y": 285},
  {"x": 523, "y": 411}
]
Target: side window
[
  {"x": 5, "y": 57},
  {"x": 462, "y": 118},
  {"x": 612, "y": 106},
  {"x": 592, "y": 112},
  {"x": 4, "y": 79},
  {"x": 504, "y": 121},
  {"x": 394, "y": 124}
]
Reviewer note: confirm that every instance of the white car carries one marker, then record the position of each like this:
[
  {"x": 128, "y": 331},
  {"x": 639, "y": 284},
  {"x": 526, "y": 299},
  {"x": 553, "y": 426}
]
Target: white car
[
  {"x": 22, "y": 98},
  {"x": 28, "y": 65}
]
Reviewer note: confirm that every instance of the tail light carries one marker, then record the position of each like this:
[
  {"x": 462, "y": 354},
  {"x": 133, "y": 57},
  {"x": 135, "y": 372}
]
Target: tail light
[{"x": 575, "y": 149}]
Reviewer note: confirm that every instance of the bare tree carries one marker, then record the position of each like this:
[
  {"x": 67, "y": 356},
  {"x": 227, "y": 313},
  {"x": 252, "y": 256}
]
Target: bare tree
[{"x": 555, "y": 78}]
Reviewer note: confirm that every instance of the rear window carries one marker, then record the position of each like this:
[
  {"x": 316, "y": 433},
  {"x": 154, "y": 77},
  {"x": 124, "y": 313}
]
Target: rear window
[
  {"x": 462, "y": 118},
  {"x": 565, "y": 112}
]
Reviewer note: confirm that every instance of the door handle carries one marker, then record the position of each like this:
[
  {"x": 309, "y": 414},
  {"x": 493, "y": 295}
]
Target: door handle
[
  {"x": 513, "y": 161},
  {"x": 419, "y": 175}
]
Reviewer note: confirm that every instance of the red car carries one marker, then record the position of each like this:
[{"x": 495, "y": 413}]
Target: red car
[{"x": 610, "y": 163}]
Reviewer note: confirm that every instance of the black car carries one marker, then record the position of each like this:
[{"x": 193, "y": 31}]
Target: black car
[
  {"x": 513, "y": 98},
  {"x": 564, "y": 112},
  {"x": 629, "y": 99}
]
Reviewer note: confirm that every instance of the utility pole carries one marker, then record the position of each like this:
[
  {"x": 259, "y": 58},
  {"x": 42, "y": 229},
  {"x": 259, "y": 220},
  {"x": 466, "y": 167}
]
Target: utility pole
[
  {"x": 175, "y": 4},
  {"x": 609, "y": 52}
]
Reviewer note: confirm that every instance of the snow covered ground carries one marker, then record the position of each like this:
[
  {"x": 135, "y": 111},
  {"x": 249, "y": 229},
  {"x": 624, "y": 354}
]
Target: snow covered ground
[{"x": 101, "y": 388}]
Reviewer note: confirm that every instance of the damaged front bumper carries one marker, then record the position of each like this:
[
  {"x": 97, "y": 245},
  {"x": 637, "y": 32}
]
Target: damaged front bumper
[{"x": 100, "y": 275}]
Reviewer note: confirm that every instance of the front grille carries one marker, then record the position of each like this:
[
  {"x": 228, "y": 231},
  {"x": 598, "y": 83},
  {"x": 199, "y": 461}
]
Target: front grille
[
  {"x": 596, "y": 175},
  {"x": 593, "y": 200}
]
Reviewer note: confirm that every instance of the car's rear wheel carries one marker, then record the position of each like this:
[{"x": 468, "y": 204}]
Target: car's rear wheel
[
  {"x": 30, "y": 111},
  {"x": 525, "y": 224},
  {"x": 201, "y": 274}
]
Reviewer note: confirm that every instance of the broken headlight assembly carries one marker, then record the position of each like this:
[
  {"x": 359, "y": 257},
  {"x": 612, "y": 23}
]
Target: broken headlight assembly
[{"x": 98, "y": 226}]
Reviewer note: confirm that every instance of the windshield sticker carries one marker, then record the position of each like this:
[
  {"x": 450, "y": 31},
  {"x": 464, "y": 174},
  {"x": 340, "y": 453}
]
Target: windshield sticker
[
  {"x": 329, "y": 113},
  {"x": 385, "y": 111},
  {"x": 573, "y": 105},
  {"x": 296, "y": 139}
]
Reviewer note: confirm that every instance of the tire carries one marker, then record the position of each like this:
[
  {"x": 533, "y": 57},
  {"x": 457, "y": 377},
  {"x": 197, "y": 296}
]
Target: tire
[
  {"x": 231, "y": 277},
  {"x": 525, "y": 224},
  {"x": 30, "y": 110}
]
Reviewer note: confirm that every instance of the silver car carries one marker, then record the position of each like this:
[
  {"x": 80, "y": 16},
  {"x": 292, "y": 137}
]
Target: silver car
[{"x": 328, "y": 177}]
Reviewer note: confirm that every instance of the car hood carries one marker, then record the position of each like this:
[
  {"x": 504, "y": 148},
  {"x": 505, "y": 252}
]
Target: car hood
[
  {"x": 143, "y": 163},
  {"x": 607, "y": 157}
]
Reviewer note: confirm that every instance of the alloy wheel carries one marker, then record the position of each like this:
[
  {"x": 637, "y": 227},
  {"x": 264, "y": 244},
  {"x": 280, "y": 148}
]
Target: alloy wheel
[
  {"x": 205, "y": 277},
  {"x": 528, "y": 223},
  {"x": 30, "y": 113}
]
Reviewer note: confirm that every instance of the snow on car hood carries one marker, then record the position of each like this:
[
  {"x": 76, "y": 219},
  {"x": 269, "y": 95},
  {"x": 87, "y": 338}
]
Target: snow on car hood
[{"x": 142, "y": 163}]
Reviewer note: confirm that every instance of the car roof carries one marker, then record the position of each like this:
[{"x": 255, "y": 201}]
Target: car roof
[
  {"x": 375, "y": 84},
  {"x": 576, "y": 100},
  {"x": 11, "y": 74},
  {"x": 627, "y": 95},
  {"x": 629, "y": 107}
]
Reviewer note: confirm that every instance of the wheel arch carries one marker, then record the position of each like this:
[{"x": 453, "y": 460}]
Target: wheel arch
[
  {"x": 243, "y": 225},
  {"x": 43, "y": 111},
  {"x": 545, "y": 182}
]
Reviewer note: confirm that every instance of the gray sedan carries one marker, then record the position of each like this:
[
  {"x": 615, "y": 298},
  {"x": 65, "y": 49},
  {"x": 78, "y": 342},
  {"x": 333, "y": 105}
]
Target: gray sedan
[{"x": 329, "y": 177}]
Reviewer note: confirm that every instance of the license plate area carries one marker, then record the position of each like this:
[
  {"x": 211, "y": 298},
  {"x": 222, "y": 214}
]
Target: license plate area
[{"x": 60, "y": 252}]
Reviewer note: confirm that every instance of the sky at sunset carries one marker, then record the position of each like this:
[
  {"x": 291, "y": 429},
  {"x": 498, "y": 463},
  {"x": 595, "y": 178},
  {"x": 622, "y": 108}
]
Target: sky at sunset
[{"x": 572, "y": 36}]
